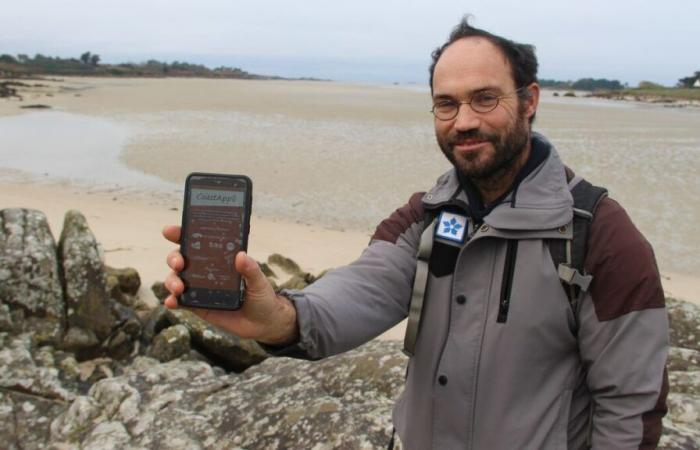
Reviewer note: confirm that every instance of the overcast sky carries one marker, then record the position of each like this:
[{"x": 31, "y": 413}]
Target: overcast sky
[{"x": 362, "y": 40}]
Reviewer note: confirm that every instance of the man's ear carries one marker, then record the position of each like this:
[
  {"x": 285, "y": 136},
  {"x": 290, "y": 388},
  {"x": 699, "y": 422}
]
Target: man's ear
[{"x": 532, "y": 100}]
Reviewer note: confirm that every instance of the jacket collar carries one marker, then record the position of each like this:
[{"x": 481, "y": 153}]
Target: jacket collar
[{"x": 543, "y": 199}]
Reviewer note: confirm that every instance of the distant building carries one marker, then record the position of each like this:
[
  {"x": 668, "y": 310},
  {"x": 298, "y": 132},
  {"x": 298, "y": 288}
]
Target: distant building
[{"x": 697, "y": 83}]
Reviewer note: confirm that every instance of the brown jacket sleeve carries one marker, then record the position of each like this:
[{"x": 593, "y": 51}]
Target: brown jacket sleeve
[{"x": 624, "y": 333}]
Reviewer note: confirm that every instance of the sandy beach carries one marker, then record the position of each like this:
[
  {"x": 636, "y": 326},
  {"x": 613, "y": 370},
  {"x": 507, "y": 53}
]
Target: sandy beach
[{"x": 328, "y": 161}]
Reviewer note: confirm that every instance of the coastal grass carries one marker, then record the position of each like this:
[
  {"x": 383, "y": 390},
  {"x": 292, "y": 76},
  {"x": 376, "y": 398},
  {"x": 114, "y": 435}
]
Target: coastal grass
[
  {"x": 673, "y": 93},
  {"x": 659, "y": 93}
]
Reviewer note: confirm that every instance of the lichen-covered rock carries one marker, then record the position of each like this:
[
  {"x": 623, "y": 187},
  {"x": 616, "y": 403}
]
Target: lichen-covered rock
[
  {"x": 159, "y": 290},
  {"x": 25, "y": 419},
  {"x": 128, "y": 279},
  {"x": 296, "y": 282},
  {"x": 20, "y": 372},
  {"x": 343, "y": 402},
  {"x": 267, "y": 271},
  {"x": 684, "y": 324},
  {"x": 286, "y": 264},
  {"x": 86, "y": 294},
  {"x": 170, "y": 343},
  {"x": 685, "y": 382},
  {"x": 683, "y": 359},
  {"x": 29, "y": 275},
  {"x": 78, "y": 339},
  {"x": 157, "y": 320},
  {"x": 679, "y": 437},
  {"x": 226, "y": 350},
  {"x": 128, "y": 300},
  {"x": 684, "y": 409},
  {"x": 6, "y": 323},
  {"x": 91, "y": 308}
]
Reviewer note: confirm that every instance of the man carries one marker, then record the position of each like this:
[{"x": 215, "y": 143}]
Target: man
[{"x": 503, "y": 360}]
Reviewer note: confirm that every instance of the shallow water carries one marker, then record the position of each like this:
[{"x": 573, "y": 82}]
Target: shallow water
[
  {"x": 61, "y": 145},
  {"x": 350, "y": 171}
]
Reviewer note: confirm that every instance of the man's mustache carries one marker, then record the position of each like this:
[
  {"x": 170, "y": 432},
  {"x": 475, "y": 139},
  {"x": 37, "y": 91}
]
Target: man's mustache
[{"x": 474, "y": 134}]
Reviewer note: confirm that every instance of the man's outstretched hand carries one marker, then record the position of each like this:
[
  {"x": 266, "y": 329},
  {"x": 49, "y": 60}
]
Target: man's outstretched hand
[{"x": 265, "y": 316}]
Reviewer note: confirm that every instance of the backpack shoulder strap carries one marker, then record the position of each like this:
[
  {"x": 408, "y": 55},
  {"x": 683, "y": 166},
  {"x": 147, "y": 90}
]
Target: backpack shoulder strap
[
  {"x": 420, "y": 282},
  {"x": 569, "y": 255}
]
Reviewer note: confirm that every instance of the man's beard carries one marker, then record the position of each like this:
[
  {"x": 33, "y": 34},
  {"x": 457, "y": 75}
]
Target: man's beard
[{"x": 508, "y": 146}]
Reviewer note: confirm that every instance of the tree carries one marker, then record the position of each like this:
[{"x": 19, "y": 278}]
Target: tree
[
  {"x": 591, "y": 84},
  {"x": 85, "y": 57},
  {"x": 648, "y": 85},
  {"x": 94, "y": 60},
  {"x": 688, "y": 82},
  {"x": 8, "y": 59}
]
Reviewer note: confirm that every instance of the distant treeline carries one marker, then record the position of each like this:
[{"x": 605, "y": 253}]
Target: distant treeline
[
  {"x": 689, "y": 82},
  {"x": 584, "y": 84},
  {"x": 602, "y": 84},
  {"x": 89, "y": 65}
]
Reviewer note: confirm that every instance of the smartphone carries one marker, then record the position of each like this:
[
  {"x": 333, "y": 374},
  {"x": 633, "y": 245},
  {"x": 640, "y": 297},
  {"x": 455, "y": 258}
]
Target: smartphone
[{"x": 215, "y": 227}]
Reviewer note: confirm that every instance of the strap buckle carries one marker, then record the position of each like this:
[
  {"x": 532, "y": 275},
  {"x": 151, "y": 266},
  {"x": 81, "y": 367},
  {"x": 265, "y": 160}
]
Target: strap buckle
[{"x": 573, "y": 277}]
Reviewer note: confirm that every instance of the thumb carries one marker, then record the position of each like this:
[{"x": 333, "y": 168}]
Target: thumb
[{"x": 250, "y": 270}]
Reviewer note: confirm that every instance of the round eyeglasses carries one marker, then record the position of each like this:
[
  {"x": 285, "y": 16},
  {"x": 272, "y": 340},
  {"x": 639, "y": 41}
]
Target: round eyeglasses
[{"x": 481, "y": 102}]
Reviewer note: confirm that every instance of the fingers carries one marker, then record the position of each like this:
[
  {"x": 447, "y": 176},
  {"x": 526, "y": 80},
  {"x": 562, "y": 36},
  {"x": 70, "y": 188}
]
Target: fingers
[
  {"x": 170, "y": 302},
  {"x": 174, "y": 284},
  {"x": 249, "y": 268},
  {"x": 172, "y": 233},
  {"x": 176, "y": 261}
]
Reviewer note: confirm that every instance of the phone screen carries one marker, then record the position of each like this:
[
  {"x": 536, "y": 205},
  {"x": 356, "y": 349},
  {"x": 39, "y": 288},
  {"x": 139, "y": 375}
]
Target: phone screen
[{"x": 215, "y": 230}]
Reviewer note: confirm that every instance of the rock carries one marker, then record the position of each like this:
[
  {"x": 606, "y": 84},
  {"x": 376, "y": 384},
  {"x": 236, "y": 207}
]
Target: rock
[
  {"x": 343, "y": 402},
  {"x": 121, "y": 343},
  {"x": 170, "y": 343},
  {"x": 30, "y": 285},
  {"x": 35, "y": 106},
  {"x": 685, "y": 382},
  {"x": 226, "y": 350},
  {"x": 25, "y": 419},
  {"x": 159, "y": 290},
  {"x": 284, "y": 263},
  {"x": 265, "y": 268},
  {"x": 683, "y": 359},
  {"x": 6, "y": 323},
  {"x": 684, "y": 409},
  {"x": 678, "y": 437},
  {"x": 86, "y": 294},
  {"x": 91, "y": 371},
  {"x": 69, "y": 368},
  {"x": 154, "y": 322},
  {"x": 128, "y": 279},
  {"x": 296, "y": 282},
  {"x": 107, "y": 435},
  {"x": 684, "y": 324},
  {"x": 79, "y": 339},
  {"x": 21, "y": 373}
]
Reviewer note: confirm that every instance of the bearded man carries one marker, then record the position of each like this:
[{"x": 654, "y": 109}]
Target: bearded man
[{"x": 503, "y": 354}]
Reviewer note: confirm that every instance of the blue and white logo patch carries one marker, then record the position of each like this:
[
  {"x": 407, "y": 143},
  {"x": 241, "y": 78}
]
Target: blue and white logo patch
[{"x": 451, "y": 226}]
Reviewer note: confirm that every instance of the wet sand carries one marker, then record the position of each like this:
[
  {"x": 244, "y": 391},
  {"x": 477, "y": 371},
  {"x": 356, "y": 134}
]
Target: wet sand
[{"x": 331, "y": 155}]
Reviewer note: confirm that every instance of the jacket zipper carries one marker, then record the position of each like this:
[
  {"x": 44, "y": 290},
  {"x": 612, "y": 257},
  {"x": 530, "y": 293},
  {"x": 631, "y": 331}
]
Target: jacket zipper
[{"x": 507, "y": 283}]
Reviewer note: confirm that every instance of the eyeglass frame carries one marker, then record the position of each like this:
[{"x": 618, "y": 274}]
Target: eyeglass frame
[{"x": 464, "y": 102}]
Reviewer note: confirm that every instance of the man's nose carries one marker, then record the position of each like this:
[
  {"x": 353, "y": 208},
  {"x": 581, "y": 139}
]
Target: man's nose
[{"x": 467, "y": 118}]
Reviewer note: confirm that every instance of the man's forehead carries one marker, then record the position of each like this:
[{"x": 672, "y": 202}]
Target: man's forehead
[{"x": 472, "y": 57}]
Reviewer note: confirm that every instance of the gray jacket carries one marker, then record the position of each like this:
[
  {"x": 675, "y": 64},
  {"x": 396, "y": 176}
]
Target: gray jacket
[{"x": 532, "y": 374}]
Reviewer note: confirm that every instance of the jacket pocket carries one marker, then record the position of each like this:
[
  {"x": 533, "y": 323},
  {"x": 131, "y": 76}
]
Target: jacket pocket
[{"x": 507, "y": 283}]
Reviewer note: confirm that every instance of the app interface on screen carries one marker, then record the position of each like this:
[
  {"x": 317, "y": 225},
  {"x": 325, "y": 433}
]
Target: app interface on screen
[{"x": 214, "y": 234}]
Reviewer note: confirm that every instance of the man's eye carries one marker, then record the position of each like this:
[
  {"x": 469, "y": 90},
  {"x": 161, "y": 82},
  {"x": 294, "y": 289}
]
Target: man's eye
[
  {"x": 485, "y": 99},
  {"x": 445, "y": 105}
]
